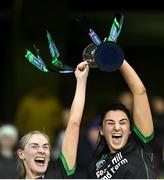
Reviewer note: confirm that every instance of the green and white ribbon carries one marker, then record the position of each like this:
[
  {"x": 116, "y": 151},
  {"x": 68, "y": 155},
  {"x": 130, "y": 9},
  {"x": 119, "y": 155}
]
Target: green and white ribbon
[{"x": 116, "y": 28}]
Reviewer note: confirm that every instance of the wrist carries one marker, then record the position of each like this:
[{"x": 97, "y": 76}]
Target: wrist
[{"x": 81, "y": 81}]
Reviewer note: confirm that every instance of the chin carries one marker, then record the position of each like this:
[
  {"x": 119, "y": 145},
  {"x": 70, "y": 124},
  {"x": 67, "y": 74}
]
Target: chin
[
  {"x": 117, "y": 148},
  {"x": 40, "y": 170}
]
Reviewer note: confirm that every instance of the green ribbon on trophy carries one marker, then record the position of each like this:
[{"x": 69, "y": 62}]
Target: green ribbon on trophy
[
  {"x": 38, "y": 62},
  {"x": 116, "y": 28}
]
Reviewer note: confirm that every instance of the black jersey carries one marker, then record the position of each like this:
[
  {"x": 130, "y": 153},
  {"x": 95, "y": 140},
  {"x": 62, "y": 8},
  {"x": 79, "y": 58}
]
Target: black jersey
[
  {"x": 58, "y": 170},
  {"x": 134, "y": 161}
]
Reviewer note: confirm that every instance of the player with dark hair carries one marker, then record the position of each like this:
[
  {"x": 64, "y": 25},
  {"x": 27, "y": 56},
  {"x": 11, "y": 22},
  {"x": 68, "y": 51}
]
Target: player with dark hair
[{"x": 124, "y": 150}]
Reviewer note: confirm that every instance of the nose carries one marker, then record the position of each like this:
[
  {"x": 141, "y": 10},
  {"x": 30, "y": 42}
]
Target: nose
[
  {"x": 117, "y": 127},
  {"x": 41, "y": 150}
]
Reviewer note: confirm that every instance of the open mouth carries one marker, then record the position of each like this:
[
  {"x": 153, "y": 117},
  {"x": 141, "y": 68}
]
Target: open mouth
[
  {"x": 40, "y": 161},
  {"x": 117, "y": 138}
]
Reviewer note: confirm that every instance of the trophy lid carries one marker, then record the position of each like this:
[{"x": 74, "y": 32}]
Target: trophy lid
[{"x": 109, "y": 56}]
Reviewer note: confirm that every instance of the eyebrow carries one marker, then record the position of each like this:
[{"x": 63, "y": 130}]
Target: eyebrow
[
  {"x": 46, "y": 144},
  {"x": 124, "y": 119},
  {"x": 33, "y": 143}
]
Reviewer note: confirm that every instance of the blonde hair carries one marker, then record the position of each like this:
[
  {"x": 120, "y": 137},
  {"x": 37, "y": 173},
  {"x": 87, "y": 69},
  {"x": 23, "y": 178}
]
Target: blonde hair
[{"x": 22, "y": 143}]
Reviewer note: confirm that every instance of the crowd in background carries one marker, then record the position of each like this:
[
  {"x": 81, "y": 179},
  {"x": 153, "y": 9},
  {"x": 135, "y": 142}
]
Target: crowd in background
[{"x": 42, "y": 111}]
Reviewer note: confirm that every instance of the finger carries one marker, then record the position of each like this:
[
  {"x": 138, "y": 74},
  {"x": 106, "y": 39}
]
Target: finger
[{"x": 82, "y": 66}]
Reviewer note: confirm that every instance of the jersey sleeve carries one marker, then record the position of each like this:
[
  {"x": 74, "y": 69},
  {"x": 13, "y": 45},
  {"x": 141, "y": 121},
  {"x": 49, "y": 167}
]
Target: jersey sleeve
[
  {"x": 59, "y": 169},
  {"x": 64, "y": 165},
  {"x": 144, "y": 139}
]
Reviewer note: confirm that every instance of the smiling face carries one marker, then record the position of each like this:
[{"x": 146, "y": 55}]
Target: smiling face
[
  {"x": 35, "y": 155},
  {"x": 115, "y": 129}
]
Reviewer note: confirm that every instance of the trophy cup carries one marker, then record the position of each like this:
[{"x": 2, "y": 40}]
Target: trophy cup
[{"x": 106, "y": 55}]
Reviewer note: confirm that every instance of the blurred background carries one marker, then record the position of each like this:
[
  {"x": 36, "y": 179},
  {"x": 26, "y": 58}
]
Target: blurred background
[{"x": 23, "y": 23}]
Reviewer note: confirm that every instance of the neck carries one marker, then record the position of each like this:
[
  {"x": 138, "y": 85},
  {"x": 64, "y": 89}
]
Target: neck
[{"x": 32, "y": 176}]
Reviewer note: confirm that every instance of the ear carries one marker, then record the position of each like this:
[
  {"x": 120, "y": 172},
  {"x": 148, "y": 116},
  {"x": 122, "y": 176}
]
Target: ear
[
  {"x": 101, "y": 131},
  {"x": 20, "y": 154}
]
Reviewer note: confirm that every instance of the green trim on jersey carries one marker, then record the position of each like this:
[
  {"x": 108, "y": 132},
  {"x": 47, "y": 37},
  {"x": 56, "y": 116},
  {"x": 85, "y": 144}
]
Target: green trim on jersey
[
  {"x": 145, "y": 164},
  {"x": 141, "y": 136},
  {"x": 64, "y": 162}
]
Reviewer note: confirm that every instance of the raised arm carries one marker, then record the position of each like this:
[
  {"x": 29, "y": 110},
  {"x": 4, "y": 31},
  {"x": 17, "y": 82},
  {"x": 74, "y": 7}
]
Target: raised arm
[
  {"x": 71, "y": 137},
  {"x": 141, "y": 109}
]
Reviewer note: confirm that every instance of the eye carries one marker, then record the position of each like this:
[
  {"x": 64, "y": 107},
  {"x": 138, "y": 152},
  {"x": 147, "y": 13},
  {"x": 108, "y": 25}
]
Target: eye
[
  {"x": 34, "y": 146},
  {"x": 109, "y": 122},
  {"x": 123, "y": 122},
  {"x": 46, "y": 147}
]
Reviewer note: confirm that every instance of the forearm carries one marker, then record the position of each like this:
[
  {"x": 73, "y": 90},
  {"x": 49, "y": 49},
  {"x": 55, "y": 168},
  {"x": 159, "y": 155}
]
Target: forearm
[
  {"x": 141, "y": 110},
  {"x": 132, "y": 79},
  {"x": 78, "y": 102},
  {"x": 70, "y": 142}
]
